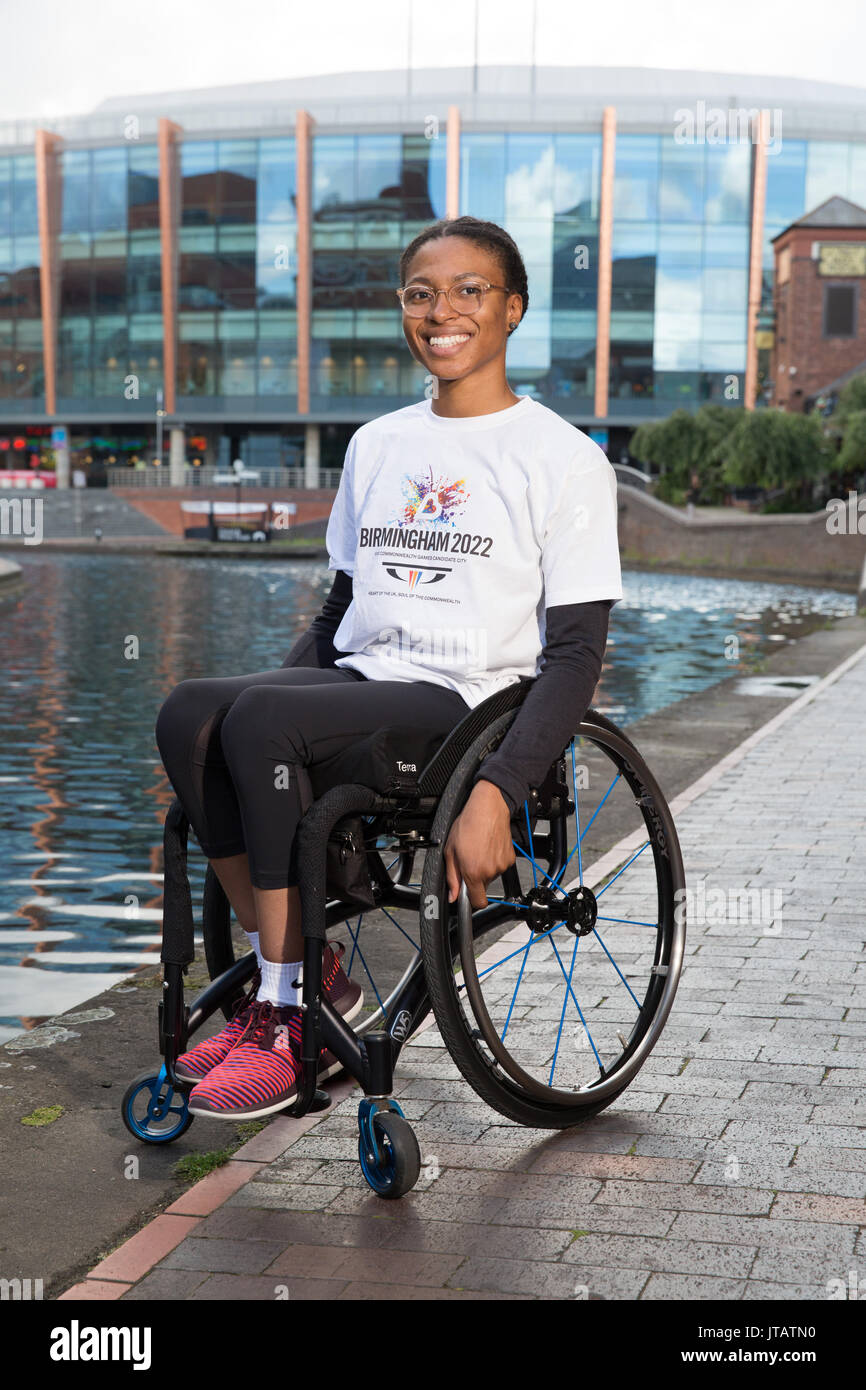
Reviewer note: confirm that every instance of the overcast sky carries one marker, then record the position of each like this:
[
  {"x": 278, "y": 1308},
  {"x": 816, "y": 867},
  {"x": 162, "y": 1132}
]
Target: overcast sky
[{"x": 62, "y": 57}]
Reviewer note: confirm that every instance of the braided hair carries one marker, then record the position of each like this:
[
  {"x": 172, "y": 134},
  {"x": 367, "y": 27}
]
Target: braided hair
[{"x": 490, "y": 235}]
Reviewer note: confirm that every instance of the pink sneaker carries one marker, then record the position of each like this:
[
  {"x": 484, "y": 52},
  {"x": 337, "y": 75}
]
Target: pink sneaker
[
  {"x": 343, "y": 994},
  {"x": 193, "y": 1065},
  {"x": 261, "y": 1073}
]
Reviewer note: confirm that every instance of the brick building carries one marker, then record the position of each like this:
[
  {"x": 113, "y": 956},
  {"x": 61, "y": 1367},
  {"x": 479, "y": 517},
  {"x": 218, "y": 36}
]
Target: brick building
[{"x": 819, "y": 302}]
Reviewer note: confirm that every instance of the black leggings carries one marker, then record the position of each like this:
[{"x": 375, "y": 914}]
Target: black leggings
[{"x": 232, "y": 747}]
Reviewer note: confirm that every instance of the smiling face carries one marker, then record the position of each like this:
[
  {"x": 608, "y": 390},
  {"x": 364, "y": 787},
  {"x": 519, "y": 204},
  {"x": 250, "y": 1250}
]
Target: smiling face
[{"x": 449, "y": 343}]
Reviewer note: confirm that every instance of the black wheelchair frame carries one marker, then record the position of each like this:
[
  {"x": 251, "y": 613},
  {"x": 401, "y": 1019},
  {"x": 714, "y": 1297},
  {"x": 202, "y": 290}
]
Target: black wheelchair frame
[{"x": 388, "y": 1150}]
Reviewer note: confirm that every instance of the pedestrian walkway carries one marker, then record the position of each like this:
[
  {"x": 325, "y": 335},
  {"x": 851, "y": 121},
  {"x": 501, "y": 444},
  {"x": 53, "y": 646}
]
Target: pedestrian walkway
[{"x": 734, "y": 1167}]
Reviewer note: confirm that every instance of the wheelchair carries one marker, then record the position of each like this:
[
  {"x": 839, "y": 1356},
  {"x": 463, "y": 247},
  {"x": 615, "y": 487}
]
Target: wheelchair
[{"x": 549, "y": 999}]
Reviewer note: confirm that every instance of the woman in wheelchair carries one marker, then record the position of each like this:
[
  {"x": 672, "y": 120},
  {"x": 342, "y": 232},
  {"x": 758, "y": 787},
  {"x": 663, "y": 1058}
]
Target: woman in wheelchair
[{"x": 474, "y": 543}]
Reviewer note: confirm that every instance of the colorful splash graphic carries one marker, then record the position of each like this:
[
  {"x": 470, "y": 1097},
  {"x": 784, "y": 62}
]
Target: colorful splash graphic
[{"x": 430, "y": 499}]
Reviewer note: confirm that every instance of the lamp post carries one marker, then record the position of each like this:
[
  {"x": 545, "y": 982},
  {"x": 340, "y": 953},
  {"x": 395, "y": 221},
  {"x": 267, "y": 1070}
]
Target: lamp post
[
  {"x": 160, "y": 415},
  {"x": 238, "y": 466}
]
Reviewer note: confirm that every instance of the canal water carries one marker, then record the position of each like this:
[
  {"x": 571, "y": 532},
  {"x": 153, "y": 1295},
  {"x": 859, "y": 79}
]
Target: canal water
[{"x": 92, "y": 645}]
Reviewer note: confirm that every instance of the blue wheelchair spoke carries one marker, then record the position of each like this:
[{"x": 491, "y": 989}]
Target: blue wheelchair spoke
[
  {"x": 540, "y": 937},
  {"x": 389, "y": 867},
  {"x": 516, "y": 988},
  {"x": 565, "y": 1006},
  {"x": 536, "y": 868},
  {"x": 617, "y": 969},
  {"x": 531, "y": 855},
  {"x": 399, "y": 928},
  {"x": 354, "y": 943},
  {"x": 600, "y": 804},
  {"x": 581, "y": 836},
  {"x": 628, "y": 922},
  {"x": 356, "y": 946},
  {"x": 567, "y": 978},
  {"x": 577, "y": 1006},
  {"x": 621, "y": 871}
]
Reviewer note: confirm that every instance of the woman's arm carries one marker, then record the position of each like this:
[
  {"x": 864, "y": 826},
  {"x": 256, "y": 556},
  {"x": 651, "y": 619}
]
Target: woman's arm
[
  {"x": 575, "y": 639},
  {"x": 315, "y": 647}
]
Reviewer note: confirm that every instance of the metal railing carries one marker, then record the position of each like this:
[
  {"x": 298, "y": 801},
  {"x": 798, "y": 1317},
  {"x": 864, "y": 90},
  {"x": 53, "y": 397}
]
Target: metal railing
[
  {"x": 626, "y": 474},
  {"x": 289, "y": 478}
]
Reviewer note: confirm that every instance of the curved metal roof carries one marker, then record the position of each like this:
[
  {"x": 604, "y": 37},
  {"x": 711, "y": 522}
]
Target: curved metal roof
[
  {"x": 606, "y": 85},
  {"x": 489, "y": 97}
]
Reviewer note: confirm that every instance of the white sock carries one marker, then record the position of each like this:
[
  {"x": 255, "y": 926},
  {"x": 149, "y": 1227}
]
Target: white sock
[
  {"x": 277, "y": 978},
  {"x": 254, "y": 946}
]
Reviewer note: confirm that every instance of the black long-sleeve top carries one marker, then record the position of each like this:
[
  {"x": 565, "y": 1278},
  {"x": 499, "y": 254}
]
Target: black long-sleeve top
[{"x": 575, "y": 639}]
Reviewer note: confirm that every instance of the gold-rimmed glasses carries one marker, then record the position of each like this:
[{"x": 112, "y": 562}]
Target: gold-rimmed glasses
[{"x": 464, "y": 296}]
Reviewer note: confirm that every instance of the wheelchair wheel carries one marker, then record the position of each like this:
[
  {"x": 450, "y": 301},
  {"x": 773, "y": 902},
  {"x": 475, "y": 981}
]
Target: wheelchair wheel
[
  {"x": 394, "y": 1169},
  {"x": 550, "y": 999},
  {"x": 148, "y": 1112}
]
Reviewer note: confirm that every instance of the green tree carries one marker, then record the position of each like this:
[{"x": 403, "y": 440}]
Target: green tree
[
  {"x": 714, "y": 424},
  {"x": 852, "y": 399},
  {"x": 683, "y": 446},
  {"x": 774, "y": 449},
  {"x": 852, "y": 455},
  {"x": 668, "y": 445}
]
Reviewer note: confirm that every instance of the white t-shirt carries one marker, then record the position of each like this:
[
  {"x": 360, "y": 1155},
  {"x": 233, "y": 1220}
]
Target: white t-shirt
[{"x": 458, "y": 533}]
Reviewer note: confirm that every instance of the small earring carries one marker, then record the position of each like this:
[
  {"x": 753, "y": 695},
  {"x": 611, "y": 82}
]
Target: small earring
[{"x": 511, "y": 327}]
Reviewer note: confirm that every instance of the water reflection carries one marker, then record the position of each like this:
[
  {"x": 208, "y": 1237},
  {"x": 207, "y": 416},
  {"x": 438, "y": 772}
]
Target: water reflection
[{"x": 92, "y": 645}]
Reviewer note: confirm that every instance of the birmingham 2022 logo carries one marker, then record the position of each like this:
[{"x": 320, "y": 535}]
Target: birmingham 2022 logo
[
  {"x": 435, "y": 501},
  {"x": 431, "y": 499}
]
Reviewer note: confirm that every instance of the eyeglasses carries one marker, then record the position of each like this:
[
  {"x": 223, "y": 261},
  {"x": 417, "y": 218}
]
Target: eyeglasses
[{"x": 464, "y": 296}]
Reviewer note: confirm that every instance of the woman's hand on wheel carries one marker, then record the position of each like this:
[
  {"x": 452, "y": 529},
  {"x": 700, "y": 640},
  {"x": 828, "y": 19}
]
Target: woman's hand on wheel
[{"x": 479, "y": 846}]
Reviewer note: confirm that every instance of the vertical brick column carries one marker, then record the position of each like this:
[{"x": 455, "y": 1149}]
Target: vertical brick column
[
  {"x": 304, "y": 290},
  {"x": 605, "y": 242},
  {"x": 452, "y": 163},
  {"x": 48, "y": 202},
  {"x": 760, "y": 135},
  {"x": 168, "y": 136}
]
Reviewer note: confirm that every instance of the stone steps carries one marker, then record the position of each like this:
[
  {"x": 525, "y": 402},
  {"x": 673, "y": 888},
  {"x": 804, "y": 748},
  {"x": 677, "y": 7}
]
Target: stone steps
[{"x": 73, "y": 513}]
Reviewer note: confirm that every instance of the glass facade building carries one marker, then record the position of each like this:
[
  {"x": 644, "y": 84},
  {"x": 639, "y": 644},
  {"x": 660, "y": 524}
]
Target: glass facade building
[
  {"x": 22, "y": 382},
  {"x": 260, "y": 354},
  {"x": 109, "y": 273},
  {"x": 681, "y": 225}
]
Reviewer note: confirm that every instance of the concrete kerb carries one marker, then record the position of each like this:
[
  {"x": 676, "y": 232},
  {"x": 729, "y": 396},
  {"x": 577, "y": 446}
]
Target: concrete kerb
[
  {"x": 138, "y": 1255},
  {"x": 9, "y": 571}
]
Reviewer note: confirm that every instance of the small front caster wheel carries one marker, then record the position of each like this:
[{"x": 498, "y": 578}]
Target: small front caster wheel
[
  {"x": 395, "y": 1168},
  {"x": 153, "y": 1111}
]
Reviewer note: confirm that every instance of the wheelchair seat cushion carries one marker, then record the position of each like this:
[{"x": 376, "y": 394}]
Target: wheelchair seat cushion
[{"x": 389, "y": 760}]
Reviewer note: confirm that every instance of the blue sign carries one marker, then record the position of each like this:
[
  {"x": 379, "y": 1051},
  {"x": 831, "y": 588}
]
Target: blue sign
[
  {"x": 59, "y": 437},
  {"x": 600, "y": 436}
]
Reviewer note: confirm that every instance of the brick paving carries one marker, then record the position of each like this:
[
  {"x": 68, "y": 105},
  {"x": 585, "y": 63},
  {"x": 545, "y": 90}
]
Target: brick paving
[{"x": 733, "y": 1167}]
